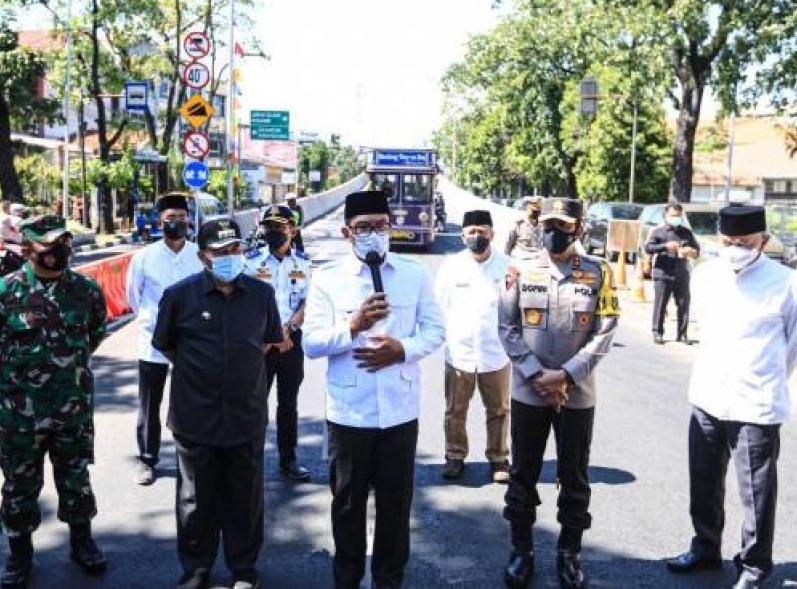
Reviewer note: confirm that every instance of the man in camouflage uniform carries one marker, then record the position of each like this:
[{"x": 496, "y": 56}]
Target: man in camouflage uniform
[
  {"x": 525, "y": 238},
  {"x": 51, "y": 321},
  {"x": 557, "y": 315}
]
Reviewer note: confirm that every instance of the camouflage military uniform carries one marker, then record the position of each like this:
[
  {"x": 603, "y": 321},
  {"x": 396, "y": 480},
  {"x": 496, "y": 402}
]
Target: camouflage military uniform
[{"x": 48, "y": 331}]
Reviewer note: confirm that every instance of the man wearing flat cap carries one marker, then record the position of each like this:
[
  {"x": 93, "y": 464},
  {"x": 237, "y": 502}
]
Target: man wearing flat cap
[
  {"x": 746, "y": 306},
  {"x": 287, "y": 270},
  {"x": 373, "y": 314},
  {"x": 557, "y": 315},
  {"x": 215, "y": 327},
  {"x": 525, "y": 238},
  {"x": 467, "y": 285},
  {"x": 152, "y": 269},
  {"x": 52, "y": 319}
]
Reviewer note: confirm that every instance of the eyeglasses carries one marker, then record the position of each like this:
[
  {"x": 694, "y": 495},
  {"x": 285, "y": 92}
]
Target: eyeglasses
[{"x": 363, "y": 228}]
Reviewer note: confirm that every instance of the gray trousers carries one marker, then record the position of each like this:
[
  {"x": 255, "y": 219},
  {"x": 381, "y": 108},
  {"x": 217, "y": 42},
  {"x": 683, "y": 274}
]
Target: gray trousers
[{"x": 754, "y": 449}]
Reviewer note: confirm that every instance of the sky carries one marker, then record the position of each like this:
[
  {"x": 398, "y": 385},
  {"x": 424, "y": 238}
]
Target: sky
[{"x": 368, "y": 70}]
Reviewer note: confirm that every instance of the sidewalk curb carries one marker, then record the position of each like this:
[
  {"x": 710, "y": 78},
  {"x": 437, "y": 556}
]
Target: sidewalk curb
[{"x": 117, "y": 240}]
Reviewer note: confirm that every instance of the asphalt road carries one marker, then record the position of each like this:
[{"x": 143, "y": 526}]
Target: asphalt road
[{"x": 638, "y": 470}]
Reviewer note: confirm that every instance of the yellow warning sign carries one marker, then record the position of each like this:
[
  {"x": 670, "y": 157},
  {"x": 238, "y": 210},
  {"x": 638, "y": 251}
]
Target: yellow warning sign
[{"x": 196, "y": 110}]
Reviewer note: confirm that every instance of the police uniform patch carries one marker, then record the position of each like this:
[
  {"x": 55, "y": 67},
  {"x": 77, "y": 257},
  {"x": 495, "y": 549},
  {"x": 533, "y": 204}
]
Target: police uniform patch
[
  {"x": 532, "y": 316},
  {"x": 263, "y": 273},
  {"x": 583, "y": 319},
  {"x": 608, "y": 303},
  {"x": 297, "y": 274},
  {"x": 535, "y": 276},
  {"x": 510, "y": 280}
]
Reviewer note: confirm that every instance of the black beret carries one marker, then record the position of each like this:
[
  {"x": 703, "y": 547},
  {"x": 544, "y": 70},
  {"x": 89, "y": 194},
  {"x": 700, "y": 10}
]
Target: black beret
[
  {"x": 368, "y": 202},
  {"x": 567, "y": 209},
  {"x": 738, "y": 220},
  {"x": 172, "y": 201},
  {"x": 477, "y": 218}
]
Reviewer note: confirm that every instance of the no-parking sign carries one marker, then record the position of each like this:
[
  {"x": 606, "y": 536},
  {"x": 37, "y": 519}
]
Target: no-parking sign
[{"x": 196, "y": 44}]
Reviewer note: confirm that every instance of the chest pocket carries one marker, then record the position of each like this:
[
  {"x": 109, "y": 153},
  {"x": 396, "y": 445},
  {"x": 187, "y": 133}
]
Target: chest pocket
[
  {"x": 582, "y": 314},
  {"x": 534, "y": 305}
]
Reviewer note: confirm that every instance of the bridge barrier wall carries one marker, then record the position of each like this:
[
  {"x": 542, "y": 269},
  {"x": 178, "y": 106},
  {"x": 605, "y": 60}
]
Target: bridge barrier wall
[{"x": 318, "y": 205}]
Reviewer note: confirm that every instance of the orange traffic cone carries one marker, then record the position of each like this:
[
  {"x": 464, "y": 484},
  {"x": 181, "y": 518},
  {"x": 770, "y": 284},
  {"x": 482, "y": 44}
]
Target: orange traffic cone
[
  {"x": 638, "y": 291},
  {"x": 619, "y": 271}
]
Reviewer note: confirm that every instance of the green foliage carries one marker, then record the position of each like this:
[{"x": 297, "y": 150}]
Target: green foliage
[{"x": 39, "y": 178}]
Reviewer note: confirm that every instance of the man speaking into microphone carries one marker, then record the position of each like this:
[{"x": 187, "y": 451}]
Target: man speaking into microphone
[{"x": 373, "y": 314}]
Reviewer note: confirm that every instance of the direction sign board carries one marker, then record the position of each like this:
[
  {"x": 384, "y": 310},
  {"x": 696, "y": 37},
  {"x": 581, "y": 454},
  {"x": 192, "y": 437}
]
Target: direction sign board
[
  {"x": 196, "y": 44},
  {"x": 196, "y": 75},
  {"x": 196, "y": 110},
  {"x": 196, "y": 144},
  {"x": 136, "y": 95},
  {"x": 270, "y": 125},
  {"x": 195, "y": 175}
]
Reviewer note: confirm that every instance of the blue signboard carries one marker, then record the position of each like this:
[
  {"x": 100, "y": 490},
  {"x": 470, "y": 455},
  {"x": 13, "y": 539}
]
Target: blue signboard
[
  {"x": 395, "y": 158},
  {"x": 195, "y": 175}
]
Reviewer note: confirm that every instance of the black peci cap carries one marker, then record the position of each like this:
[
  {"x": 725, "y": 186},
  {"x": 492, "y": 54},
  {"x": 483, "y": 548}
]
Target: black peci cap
[
  {"x": 368, "y": 202},
  {"x": 172, "y": 201},
  {"x": 477, "y": 218},
  {"x": 736, "y": 220}
]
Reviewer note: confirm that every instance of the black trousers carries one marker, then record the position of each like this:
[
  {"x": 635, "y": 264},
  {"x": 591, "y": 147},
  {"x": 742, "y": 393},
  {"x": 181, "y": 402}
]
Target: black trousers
[
  {"x": 662, "y": 290},
  {"x": 288, "y": 369},
  {"x": 573, "y": 434},
  {"x": 754, "y": 449},
  {"x": 220, "y": 496},
  {"x": 359, "y": 458},
  {"x": 151, "y": 382}
]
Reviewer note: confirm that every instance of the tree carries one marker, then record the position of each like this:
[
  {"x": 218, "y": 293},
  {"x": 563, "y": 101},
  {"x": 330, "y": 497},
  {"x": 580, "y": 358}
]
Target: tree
[{"x": 20, "y": 106}]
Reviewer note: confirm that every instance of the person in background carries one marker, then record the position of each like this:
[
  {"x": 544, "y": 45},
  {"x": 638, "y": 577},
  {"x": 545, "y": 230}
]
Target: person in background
[
  {"x": 215, "y": 327},
  {"x": 557, "y": 316},
  {"x": 288, "y": 272},
  {"x": 296, "y": 208},
  {"x": 746, "y": 307},
  {"x": 374, "y": 342},
  {"x": 467, "y": 285},
  {"x": 525, "y": 238},
  {"x": 9, "y": 230},
  {"x": 152, "y": 269},
  {"x": 673, "y": 245},
  {"x": 52, "y": 319}
]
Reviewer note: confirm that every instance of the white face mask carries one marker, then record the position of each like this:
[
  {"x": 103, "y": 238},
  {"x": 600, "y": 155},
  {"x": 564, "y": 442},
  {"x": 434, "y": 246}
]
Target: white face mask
[
  {"x": 371, "y": 243},
  {"x": 738, "y": 257},
  {"x": 675, "y": 221}
]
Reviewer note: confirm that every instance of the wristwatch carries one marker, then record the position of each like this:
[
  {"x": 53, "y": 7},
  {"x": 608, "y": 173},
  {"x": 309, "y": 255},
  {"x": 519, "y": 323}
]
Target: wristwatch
[{"x": 293, "y": 327}]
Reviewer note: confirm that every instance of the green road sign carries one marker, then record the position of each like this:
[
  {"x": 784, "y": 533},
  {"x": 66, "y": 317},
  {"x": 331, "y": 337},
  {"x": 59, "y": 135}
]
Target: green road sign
[{"x": 270, "y": 124}]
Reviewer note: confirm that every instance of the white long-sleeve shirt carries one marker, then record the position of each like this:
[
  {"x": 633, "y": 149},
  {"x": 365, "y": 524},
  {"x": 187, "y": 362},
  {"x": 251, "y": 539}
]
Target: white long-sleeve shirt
[
  {"x": 152, "y": 269},
  {"x": 748, "y": 341},
  {"x": 390, "y": 396},
  {"x": 467, "y": 291}
]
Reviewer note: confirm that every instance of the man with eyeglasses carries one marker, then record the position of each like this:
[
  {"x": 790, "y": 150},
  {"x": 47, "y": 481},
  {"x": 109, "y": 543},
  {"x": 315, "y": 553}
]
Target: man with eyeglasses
[
  {"x": 151, "y": 270},
  {"x": 287, "y": 270},
  {"x": 467, "y": 285},
  {"x": 52, "y": 319},
  {"x": 215, "y": 327},
  {"x": 746, "y": 307},
  {"x": 374, "y": 342},
  {"x": 557, "y": 315}
]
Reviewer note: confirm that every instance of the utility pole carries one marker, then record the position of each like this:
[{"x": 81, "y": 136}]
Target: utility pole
[
  {"x": 632, "y": 175},
  {"x": 229, "y": 115},
  {"x": 67, "y": 90}
]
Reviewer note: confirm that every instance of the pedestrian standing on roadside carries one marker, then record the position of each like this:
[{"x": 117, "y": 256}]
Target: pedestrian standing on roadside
[
  {"x": 296, "y": 242},
  {"x": 152, "y": 269},
  {"x": 746, "y": 307},
  {"x": 467, "y": 285},
  {"x": 374, "y": 342},
  {"x": 557, "y": 315},
  {"x": 525, "y": 238},
  {"x": 52, "y": 319},
  {"x": 673, "y": 246},
  {"x": 215, "y": 327},
  {"x": 288, "y": 272}
]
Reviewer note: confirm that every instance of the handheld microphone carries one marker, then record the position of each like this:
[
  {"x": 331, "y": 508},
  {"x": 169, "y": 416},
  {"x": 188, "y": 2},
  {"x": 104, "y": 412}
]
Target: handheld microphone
[{"x": 374, "y": 260}]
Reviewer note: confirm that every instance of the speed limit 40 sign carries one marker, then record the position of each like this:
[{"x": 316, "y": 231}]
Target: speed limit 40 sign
[{"x": 196, "y": 75}]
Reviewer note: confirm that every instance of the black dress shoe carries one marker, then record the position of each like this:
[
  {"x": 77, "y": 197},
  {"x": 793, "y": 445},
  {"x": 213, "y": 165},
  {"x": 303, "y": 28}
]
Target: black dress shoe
[
  {"x": 691, "y": 561},
  {"x": 658, "y": 338},
  {"x": 685, "y": 340},
  {"x": 519, "y": 569},
  {"x": 568, "y": 566},
  {"x": 294, "y": 472}
]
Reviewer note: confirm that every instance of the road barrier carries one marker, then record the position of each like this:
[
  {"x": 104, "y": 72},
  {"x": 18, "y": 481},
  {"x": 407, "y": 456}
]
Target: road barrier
[{"x": 111, "y": 274}]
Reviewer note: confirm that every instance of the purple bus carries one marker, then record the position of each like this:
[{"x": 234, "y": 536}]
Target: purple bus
[{"x": 408, "y": 178}]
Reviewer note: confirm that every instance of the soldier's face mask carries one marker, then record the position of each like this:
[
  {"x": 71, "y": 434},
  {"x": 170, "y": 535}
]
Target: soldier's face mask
[{"x": 56, "y": 257}]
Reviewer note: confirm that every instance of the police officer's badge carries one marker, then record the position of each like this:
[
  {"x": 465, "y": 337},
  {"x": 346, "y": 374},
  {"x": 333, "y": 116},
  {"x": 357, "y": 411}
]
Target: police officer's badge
[{"x": 533, "y": 316}]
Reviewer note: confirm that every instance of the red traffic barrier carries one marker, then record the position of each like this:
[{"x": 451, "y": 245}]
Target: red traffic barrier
[{"x": 111, "y": 274}]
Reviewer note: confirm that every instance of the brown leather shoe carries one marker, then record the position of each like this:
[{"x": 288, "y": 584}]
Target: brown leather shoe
[{"x": 453, "y": 469}]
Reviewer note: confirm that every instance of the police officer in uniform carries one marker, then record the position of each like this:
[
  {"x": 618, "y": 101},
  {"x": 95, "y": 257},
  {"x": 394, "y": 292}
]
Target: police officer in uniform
[
  {"x": 288, "y": 271},
  {"x": 298, "y": 218},
  {"x": 673, "y": 246},
  {"x": 557, "y": 315},
  {"x": 746, "y": 306},
  {"x": 51, "y": 320},
  {"x": 525, "y": 237}
]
